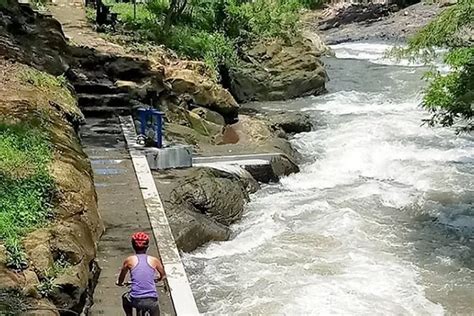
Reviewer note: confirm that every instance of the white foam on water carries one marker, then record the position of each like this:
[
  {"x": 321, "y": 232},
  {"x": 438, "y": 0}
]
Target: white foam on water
[
  {"x": 340, "y": 237},
  {"x": 377, "y": 53}
]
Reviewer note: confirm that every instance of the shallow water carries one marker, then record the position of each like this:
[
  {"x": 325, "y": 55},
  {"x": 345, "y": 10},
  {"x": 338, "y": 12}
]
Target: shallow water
[{"x": 379, "y": 221}]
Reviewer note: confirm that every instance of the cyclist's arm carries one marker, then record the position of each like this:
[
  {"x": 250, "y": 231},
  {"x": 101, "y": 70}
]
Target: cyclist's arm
[
  {"x": 123, "y": 272},
  {"x": 160, "y": 269}
]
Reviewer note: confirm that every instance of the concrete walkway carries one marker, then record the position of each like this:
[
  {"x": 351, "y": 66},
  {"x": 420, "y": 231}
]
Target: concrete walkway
[{"x": 122, "y": 209}]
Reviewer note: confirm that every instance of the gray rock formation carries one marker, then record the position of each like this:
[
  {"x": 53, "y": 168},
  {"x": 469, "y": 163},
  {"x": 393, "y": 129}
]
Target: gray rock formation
[
  {"x": 202, "y": 204},
  {"x": 278, "y": 71},
  {"x": 291, "y": 122}
]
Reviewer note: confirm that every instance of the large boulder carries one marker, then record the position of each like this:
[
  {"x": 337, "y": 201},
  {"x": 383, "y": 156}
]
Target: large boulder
[
  {"x": 254, "y": 135},
  {"x": 202, "y": 90},
  {"x": 278, "y": 71},
  {"x": 257, "y": 136},
  {"x": 201, "y": 204}
]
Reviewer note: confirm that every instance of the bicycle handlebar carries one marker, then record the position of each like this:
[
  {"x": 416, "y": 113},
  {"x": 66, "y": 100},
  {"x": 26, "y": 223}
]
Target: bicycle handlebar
[{"x": 128, "y": 283}]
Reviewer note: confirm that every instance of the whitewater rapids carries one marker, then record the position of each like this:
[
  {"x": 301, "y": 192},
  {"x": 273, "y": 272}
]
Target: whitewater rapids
[{"x": 379, "y": 221}]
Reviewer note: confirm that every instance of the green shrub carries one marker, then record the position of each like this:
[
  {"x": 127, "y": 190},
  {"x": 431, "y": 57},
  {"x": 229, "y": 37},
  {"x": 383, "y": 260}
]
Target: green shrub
[
  {"x": 16, "y": 257},
  {"x": 213, "y": 48},
  {"x": 47, "y": 285},
  {"x": 267, "y": 18}
]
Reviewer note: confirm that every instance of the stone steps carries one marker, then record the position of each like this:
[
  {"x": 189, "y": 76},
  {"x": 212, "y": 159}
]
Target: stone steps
[
  {"x": 99, "y": 87},
  {"x": 105, "y": 100},
  {"x": 105, "y": 112}
]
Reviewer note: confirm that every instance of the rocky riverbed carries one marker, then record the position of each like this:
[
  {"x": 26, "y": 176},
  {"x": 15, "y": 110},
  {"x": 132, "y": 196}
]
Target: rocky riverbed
[{"x": 384, "y": 23}]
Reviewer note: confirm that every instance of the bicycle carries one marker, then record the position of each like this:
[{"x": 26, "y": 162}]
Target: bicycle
[{"x": 139, "y": 312}]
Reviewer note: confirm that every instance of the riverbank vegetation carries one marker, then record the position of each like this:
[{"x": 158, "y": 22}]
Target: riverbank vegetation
[
  {"x": 449, "y": 97},
  {"x": 211, "y": 30},
  {"x": 25, "y": 185}
]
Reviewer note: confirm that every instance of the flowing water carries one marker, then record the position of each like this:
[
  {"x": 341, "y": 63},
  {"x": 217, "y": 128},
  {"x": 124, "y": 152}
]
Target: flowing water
[{"x": 380, "y": 220}]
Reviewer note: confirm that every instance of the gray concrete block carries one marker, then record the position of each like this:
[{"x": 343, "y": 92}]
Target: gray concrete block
[{"x": 176, "y": 156}]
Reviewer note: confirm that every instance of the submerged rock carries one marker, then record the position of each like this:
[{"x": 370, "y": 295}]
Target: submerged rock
[{"x": 278, "y": 71}]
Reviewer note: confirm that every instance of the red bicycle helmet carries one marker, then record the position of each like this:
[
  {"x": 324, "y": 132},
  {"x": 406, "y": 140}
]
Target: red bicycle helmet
[{"x": 140, "y": 240}]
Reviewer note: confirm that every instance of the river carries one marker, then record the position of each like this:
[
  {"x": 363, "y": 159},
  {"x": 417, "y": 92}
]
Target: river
[{"x": 379, "y": 221}]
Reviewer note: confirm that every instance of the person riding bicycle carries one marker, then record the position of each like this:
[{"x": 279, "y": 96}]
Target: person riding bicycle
[{"x": 143, "y": 268}]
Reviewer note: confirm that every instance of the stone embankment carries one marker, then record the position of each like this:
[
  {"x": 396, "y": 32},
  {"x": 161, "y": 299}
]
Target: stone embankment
[{"x": 32, "y": 45}]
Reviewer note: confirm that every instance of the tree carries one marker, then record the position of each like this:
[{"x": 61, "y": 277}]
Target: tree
[
  {"x": 176, "y": 8},
  {"x": 449, "y": 97}
]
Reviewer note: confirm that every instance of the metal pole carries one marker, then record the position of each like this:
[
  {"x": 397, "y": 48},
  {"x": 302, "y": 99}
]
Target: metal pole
[
  {"x": 143, "y": 121},
  {"x": 159, "y": 129}
]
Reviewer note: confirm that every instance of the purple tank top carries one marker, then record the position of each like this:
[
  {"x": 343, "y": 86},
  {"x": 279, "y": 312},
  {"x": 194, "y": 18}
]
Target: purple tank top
[{"x": 143, "y": 279}]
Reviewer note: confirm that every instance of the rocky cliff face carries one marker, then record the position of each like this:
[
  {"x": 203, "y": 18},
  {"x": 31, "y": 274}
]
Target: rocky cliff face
[
  {"x": 29, "y": 44},
  {"x": 278, "y": 71},
  {"x": 33, "y": 39},
  {"x": 72, "y": 235}
]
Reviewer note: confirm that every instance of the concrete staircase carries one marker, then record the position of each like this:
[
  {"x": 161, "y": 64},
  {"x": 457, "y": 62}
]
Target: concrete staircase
[{"x": 94, "y": 77}]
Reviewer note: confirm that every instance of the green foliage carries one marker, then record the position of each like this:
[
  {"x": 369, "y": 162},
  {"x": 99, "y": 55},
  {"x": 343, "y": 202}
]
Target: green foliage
[
  {"x": 26, "y": 187},
  {"x": 90, "y": 14},
  {"x": 47, "y": 285},
  {"x": 214, "y": 48},
  {"x": 449, "y": 97},
  {"x": 144, "y": 17},
  {"x": 16, "y": 257},
  {"x": 58, "y": 85},
  {"x": 12, "y": 302},
  {"x": 209, "y": 29},
  {"x": 269, "y": 18}
]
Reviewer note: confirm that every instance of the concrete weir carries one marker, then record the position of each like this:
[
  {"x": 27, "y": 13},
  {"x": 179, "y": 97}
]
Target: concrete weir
[
  {"x": 258, "y": 166},
  {"x": 180, "y": 289}
]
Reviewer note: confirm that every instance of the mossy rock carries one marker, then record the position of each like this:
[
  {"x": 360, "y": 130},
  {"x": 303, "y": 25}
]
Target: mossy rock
[
  {"x": 209, "y": 115},
  {"x": 184, "y": 134},
  {"x": 203, "y": 126}
]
